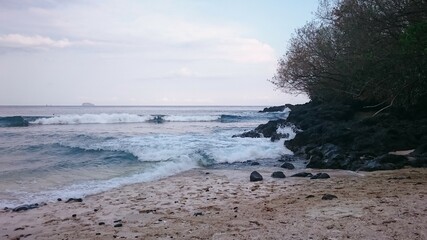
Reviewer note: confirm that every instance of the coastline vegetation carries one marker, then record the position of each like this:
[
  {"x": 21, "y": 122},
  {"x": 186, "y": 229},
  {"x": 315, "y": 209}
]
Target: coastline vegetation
[{"x": 370, "y": 52}]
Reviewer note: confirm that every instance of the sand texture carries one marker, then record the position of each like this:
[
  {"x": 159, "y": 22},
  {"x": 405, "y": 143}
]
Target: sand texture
[{"x": 223, "y": 204}]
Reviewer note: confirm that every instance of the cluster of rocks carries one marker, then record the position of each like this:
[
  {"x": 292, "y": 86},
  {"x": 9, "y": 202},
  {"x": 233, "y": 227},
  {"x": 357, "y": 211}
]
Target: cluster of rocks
[
  {"x": 256, "y": 176},
  {"x": 267, "y": 130},
  {"x": 351, "y": 136},
  {"x": 27, "y": 207},
  {"x": 339, "y": 136}
]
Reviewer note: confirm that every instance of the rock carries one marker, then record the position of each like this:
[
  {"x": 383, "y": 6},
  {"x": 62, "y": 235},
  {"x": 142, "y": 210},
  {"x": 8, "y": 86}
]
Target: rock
[
  {"x": 250, "y": 134},
  {"x": 74, "y": 215},
  {"x": 320, "y": 176},
  {"x": 59, "y": 199},
  {"x": 275, "y": 137},
  {"x": 310, "y": 196},
  {"x": 302, "y": 174},
  {"x": 25, "y": 207},
  {"x": 118, "y": 225},
  {"x": 255, "y": 177},
  {"x": 70, "y": 200},
  {"x": 384, "y": 162},
  {"x": 101, "y": 223},
  {"x": 117, "y": 221},
  {"x": 337, "y": 135},
  {"x": 326, "y": 156},
  {"x": 287, "y": 165},
  {"x": 266, "y": 130},
  {"x": 254, "y": 163},
  {"x": 286, "y": 158},
  {"x": 278, "y": 174},
  {"x": 328, "y": 197},
  {"x": 198, "y": 214},
  {"x": 274, "y": 109},
  {"x": 420, "y": 150}
]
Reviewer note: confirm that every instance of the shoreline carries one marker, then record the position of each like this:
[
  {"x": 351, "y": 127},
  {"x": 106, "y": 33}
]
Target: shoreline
[{"x": 224, "y": 204}]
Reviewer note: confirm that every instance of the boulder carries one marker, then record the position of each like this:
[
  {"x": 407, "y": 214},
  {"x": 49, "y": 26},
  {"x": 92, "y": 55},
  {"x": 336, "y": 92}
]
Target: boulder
[
  {"x": 25, "y": 207},
  {"x": 250, "y": 134},
  {"x": 328, "y": 197},
  {"x": 278, "y": 174},
  {"x": 320, "y": 176},
  {"x": 287, "y": 165},
  {"x": 70, "y": 200},
  {"x": 302, "y": 174},
  {"x": 384, "y": 162},
  {"x": 255, "y": 176}
]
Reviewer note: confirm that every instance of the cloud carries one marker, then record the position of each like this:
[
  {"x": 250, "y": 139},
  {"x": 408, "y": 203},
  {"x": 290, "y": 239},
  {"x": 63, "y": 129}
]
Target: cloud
[
  {"x": 37, "y": 41},
  {"x": 132, "y": 27}
]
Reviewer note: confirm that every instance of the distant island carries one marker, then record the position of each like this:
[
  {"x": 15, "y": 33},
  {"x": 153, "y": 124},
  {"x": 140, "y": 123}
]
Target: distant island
[{"x": 88, "y": 104}]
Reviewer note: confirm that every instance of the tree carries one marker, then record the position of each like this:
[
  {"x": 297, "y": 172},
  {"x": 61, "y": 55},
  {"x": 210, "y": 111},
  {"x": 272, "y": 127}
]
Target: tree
[{"x": 373, "y": 51}]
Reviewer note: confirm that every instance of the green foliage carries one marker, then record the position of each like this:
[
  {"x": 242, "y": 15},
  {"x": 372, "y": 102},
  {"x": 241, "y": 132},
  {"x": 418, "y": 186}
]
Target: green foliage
[{"x": 372, "y": 51}]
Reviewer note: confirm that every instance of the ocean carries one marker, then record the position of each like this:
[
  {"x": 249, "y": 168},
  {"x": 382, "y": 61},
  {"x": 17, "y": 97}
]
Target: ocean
[{"x": 50, "y": 152}]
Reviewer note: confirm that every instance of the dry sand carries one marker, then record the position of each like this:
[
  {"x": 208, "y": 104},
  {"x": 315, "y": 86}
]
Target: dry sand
[{"x": 225, "y": 205}]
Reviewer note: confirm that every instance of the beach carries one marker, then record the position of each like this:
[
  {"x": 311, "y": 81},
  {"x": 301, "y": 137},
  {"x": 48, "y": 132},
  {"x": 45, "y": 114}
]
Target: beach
[{"x": 222, "y": 203}]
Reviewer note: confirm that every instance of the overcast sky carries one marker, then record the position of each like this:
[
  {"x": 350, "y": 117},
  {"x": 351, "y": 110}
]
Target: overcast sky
[{"x": 152, "y": 52}]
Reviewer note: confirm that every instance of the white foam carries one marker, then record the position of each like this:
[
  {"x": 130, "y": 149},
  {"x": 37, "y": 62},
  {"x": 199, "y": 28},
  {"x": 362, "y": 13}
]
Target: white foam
[
  {"x": 104, "y": 118},
  {"x": 189, "y": 118},
  {"x": 292, "y": 131},
  {"x": 161, "y": 170},
  {"x": 92, "y": 118},
  {"x": 221, "y": 148}
]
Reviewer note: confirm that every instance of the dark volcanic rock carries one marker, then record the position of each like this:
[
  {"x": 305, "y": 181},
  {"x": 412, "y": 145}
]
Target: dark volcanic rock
[
  {"x": 286, "y": 158},
  {"x": 384, "y": 162},
  {"x": 254, "y": 163},
  {"x": 302, "y": 174},
  {"x": 274, "y": 109},
  {"x": 25, "y": 207},
  {"x": 341, "y": 136},
  {"x": 287, "y": 165},
  {"x": 250, "y": 134},
  {"x": 328, "y": 197},
  {"x": 74, "y": 200},
  {"x": 255, "y": 177},
  {"x": 321, "y": 176},
  {"x": 266, "y": 130},
  {"x": 278, "y": 174}
]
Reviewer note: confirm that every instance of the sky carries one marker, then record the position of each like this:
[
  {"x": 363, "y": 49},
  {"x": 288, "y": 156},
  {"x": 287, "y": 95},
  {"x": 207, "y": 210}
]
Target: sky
[{"x": 146, "y": 52}]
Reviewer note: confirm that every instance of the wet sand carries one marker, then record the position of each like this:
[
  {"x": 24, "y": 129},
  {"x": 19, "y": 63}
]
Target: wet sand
[{"x": 223, "y": 204}]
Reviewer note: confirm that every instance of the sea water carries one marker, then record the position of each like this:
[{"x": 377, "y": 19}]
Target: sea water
[{"x": 59, "y": 152}]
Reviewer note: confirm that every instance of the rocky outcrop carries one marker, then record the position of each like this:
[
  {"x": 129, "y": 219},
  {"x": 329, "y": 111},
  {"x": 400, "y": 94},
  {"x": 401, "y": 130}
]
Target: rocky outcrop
[
  {"x": 274, "y": 109},
  {"x": 342, "y": 136},
  {"x": 267, "y": 130}
]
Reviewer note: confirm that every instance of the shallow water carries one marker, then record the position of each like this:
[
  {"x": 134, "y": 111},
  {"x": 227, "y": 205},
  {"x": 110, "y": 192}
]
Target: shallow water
[{"x": 51, "y": 152}]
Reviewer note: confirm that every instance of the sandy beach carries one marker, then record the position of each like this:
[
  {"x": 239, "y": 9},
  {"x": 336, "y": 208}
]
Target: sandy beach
[{"x": 224, "y": 204}]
